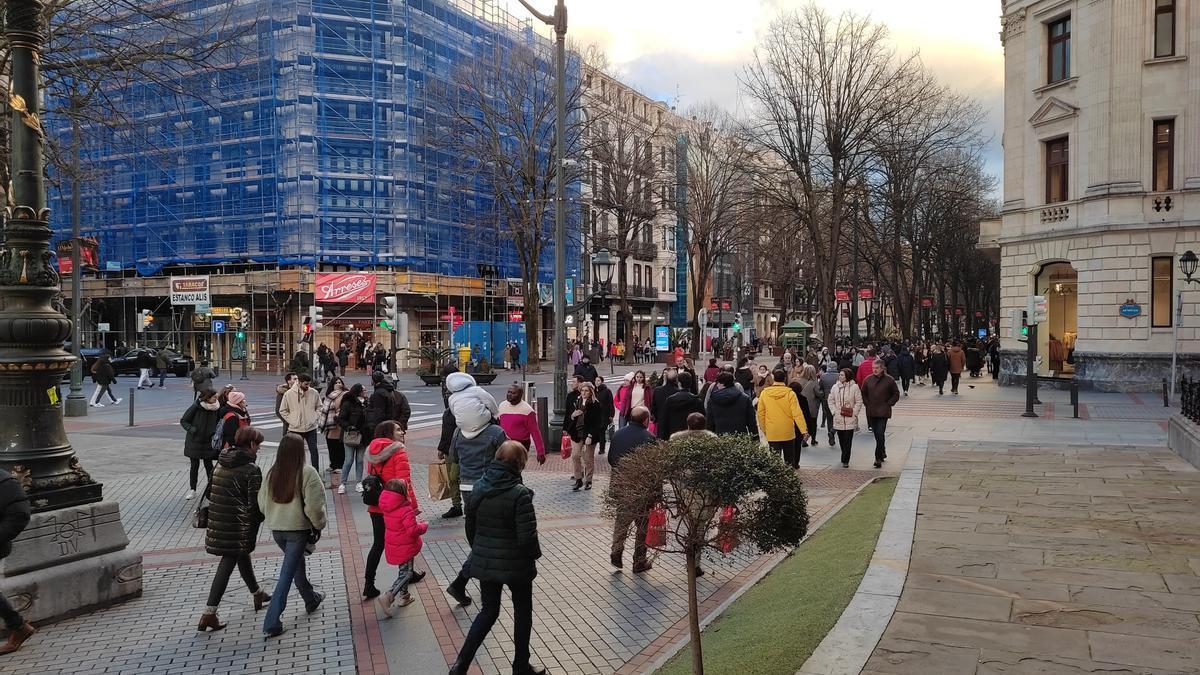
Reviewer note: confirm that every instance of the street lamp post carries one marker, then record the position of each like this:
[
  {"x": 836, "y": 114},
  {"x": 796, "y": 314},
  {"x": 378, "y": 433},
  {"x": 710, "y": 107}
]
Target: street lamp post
[
  {"x": 1187, "y": 264},
  {"x": 602, "y": 272},
  {"x": 559, "y": 21}
]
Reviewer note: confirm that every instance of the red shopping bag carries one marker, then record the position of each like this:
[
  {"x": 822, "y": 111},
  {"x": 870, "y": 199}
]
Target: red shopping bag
[
  {"x": 566, "y": 447},
  {"x": 726, "y": 540},
  {"x": 656, "y": 528}
]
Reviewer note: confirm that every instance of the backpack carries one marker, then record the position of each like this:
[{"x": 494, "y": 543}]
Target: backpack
[
  {"x": 372, "y": 488},
  {"x": 218, "y": 438},
  {"x": 198, "y": 375}
]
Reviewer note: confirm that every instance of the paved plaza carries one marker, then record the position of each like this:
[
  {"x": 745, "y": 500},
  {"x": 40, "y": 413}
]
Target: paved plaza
[{"x": 997, "y": 490}]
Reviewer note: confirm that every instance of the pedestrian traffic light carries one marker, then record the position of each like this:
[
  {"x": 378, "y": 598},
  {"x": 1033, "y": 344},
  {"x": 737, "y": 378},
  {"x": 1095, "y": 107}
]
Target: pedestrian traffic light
[
  {"x": 241, "y": 335},
  {"x": 147, "y": 318},
  {"x": 1018, "y": 324},
  {"x": 391, "y": 306},
  {"x": 316, "y": 314},
  {"x": 1039, "y": 309},
  {"x": 737, "y": 322}
]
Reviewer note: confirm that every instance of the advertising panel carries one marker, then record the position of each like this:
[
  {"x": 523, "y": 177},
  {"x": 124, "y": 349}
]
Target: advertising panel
[
  {"x": 189, "y": 291},
  {"x": 345, "y": 288}
]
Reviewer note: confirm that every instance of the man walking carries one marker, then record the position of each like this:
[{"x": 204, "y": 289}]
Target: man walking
[
  {"x": 958, "y": 361},
  {"x": 14, "y": 516},
  {"x": 729, "y": 411},
  {"x": 658, "y": 409},
  {"x": 145, "y": 364},
  {"x": 162, "y": 364},
  {"x": 301, "y": 411},
  {"x": 879, "y": 393},
  {"x": 632, "y": 437},
  {"x": 779, "y": 416}
]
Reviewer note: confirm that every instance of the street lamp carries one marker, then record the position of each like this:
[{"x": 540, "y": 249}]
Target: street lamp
[
  {"x": 602, "y": 271},
  {"x": 1187, "y": 264}
]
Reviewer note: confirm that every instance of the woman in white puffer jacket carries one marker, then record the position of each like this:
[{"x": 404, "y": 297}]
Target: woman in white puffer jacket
[{"x": 846, "y": 403}]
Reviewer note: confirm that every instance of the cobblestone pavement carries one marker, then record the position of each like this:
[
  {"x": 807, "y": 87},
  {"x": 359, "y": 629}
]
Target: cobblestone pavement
[{"x": 1050, "y": 559}]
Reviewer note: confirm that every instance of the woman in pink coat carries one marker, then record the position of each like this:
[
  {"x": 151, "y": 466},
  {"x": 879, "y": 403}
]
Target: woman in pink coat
[
  {"x": 402, "y": 541},
  {"x": 633, "y": 393}
]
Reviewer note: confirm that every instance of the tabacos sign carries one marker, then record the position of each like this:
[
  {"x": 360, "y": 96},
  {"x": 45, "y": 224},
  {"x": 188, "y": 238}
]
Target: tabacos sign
[
  {"x": 189, "y": 291},
  {"x": 348, "y": 288}
]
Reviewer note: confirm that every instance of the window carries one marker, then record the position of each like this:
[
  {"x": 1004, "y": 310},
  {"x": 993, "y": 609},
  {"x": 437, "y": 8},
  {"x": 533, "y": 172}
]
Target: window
[
  {"x": 1059, "y": 60},
  {"x": 1161, "y": 291},
  {"x": 1164, "y": 155},
  {"x": 1057, "y": 165},
  {"x": 637, "y": 275},
  {"x": 663, "y": 285},
  {"x": 1164, "y": 28}
]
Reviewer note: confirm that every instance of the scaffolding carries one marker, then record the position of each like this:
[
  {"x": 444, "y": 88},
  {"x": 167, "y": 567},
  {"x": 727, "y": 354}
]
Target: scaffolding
[{"x": 309, "y": 149}]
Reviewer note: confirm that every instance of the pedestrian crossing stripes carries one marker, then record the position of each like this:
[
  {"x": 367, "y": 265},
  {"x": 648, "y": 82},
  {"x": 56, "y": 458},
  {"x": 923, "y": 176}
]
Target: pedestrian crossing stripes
[{"x": 420, "y": 421}]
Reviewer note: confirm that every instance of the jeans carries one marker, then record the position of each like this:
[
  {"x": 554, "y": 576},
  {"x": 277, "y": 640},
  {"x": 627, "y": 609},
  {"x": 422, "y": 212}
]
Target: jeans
[
  {"x": 354, "y": 457},
  {"x": 225, "y": 570},
  {"x": 292, "y": 543},
  {"x": 377, "y": 534},
  {"x": 314, "y": 455},
  {"x": 337, "y": 453},
  {"x": 791, "y": 455},
  {"x": 954, "y": 378},
  {"x": 845, "y": 441},
  {"x": 583, "y": 460},
  {"x": 12, "y": 620},
  {"x": 827, "y": 422},
  {"x": 403, "y": 574},
  {"x": 162, "y": 377},
  {"x": 103, "y": 389},
  {"x": 621, "y": 533},
  {"x": 490, "y": 594},
  {"x": 879, "y": 427},
  {"x": 194, "y": 472}
]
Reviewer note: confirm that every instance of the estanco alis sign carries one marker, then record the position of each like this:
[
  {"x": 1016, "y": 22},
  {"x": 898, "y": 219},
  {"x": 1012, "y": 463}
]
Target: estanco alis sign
[
  {"x": 345, "y": 288},
  {"x": 189, "y": 291}
]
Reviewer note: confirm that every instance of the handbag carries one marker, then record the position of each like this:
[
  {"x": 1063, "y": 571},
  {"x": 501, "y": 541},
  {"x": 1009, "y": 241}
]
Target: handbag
[
  {"x": 200, "y": 515},
  {"x": 352, "y": 437},
  {"x": 656, "y": 528},
  {"x": 565, "y": 447},
  {"x": 727, "y": 540},
  {"x": 847, "y": 410},
  {"x": 372, "y": 488}
]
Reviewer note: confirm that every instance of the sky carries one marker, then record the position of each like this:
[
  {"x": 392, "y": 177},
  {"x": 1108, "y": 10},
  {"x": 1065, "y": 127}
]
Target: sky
[{"x": 689, "y": 52}]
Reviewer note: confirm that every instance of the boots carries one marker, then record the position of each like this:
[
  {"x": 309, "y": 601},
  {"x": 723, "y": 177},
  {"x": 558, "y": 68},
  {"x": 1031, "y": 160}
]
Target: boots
[
  {"x": 261, "y": 599},
  {"x": 17, "y": 637},
  {"x": 208, "y": 622}
]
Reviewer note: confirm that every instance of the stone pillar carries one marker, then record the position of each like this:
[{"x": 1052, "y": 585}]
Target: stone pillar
[
  {"x": 1188, "y": 39},
  {"x": 72, "y": 555},
  {"x": 1126, "y": 129}
]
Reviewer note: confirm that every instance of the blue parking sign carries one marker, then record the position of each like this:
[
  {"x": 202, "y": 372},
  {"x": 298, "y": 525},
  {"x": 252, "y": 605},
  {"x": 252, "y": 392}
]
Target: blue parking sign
[{"x": 218, "y": 326}]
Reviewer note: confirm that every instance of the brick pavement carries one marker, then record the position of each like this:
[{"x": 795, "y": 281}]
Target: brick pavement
[{"x": 1050, "y": 559}]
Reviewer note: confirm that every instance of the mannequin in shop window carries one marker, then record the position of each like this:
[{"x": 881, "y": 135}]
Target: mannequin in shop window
[{"x": 1057, "y": 354}]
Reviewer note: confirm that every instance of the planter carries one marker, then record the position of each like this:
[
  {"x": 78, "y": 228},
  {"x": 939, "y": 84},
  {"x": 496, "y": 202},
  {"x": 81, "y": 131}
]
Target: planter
[
  {"x": 431, "y": 380},
  {"x": 484, "y": 378}
]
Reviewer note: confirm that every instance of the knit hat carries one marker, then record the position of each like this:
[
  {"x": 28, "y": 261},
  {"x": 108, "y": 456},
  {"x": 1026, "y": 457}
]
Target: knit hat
[{"x": 236, "y": 398}]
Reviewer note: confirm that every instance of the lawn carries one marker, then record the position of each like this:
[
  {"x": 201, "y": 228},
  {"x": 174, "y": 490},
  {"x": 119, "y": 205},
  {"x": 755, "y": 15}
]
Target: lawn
[{"x": 776, "y": 625}]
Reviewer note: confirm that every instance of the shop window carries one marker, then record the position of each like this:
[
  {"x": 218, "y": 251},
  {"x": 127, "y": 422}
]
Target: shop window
[
  {"x": 1164, "y": 28},
  {"x": 1164, "y": 155},
  {"x": 1161, "y": 291},
  {"x": 1059, "y": 50},
  {"x": 1057, "y": 170}
]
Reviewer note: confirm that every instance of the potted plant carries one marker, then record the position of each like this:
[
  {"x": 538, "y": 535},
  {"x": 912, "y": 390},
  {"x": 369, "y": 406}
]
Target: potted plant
[
  {"x": 431, "y": 360},
  {"x": 484, "y": 373}
]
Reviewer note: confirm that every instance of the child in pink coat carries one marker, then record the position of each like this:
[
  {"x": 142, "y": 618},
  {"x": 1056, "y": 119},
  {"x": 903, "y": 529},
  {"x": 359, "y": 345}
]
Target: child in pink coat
[{"x": 401, "y": 541}]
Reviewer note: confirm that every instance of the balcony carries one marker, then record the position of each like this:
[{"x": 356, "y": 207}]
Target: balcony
[{"x": 645, "y": 251}]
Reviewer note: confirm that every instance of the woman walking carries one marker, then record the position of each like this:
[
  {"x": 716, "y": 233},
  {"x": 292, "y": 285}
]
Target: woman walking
[
  {"x": 233, "y": 417},
  {"x": 846, "y": 401},
  {"x": 388, "y": 459},
  {"x": 293, "y": 505},
  {"x": 634, "y": 393},
  {"x": 352, "y": 420},
  {"x": 200, "y": 423},
  {"x": 329, "y": 424},
  {"x": 233, "y": 520},
  {"x": 807, "y": 388},
  {"x": 939, "y": 368},
  {"x": 104, "y": 376},
  {"x": 586, "y": 424},
  {"x": 502, "y": 531}
]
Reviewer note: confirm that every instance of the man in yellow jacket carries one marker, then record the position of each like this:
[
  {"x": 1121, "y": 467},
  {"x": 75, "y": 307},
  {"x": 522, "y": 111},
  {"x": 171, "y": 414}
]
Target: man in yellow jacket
[{"x": 779, "y": 416}]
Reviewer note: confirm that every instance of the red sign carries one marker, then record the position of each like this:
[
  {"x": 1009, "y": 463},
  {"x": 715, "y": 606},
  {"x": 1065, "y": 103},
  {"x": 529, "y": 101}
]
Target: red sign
[
  {"x": 451, "y": 310},
  {"x": 958, "y": 311},
  {"x": 726, "y": 304},
  {"x": 978, "y": 315},
  {"x": 712, "y": 306},
  {"x": 841, "y": 295},
  {"x": 516, "y": 316},
  {"x": 348, "y": 288},
  {"x": 866, "y": 293},
  {"x": 89, "y": 254},
  {"x": 926, "y": 303}
]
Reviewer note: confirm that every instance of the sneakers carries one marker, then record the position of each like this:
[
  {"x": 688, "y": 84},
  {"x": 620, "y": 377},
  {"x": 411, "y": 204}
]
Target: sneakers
[
  {"x": 342, "y": 489},
  {"x": 405, "y": 600},
  {"x": 95, "y": 405},
  {"x": 117, "y": 402},
  {"x": 454, "y": 512},
  {"x": 190, "y": 494},
  {"x": 358, "y": 488}
]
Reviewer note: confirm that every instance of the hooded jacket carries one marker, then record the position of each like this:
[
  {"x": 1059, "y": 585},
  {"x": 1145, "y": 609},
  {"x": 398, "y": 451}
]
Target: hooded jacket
[
  {"x": 301, "y": 409},
  {"x": 200, "y": 422},
  {"x": 388, "y": 459},
  {"x": 957, "y": 359},
  {"x": 678, "y": 406},
  {"x": 730, "y": 412},
  {"x": 14, "y": 511},
  {"x": 779, "y": 413},
  {"x": 279, "y": 392},
  {"x": 233, "y": 513},
  {"x": 378, "y": 409},
  {"x": 401, "y": 529},
  {"x": 472, "y": 455},
  {"x": 502, "y": 527},
  {"x": 473, "y": 408}
]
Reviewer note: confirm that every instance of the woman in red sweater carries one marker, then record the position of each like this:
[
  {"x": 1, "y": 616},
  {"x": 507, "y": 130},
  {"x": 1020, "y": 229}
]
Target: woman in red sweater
[
  {"x": 520, "y": 423},
  {"x": 386, "y": 458}
]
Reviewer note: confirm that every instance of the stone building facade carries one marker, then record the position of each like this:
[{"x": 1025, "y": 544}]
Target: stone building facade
[{"x": 1101, "y": 186}]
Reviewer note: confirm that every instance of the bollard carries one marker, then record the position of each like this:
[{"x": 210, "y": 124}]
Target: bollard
[
  {"x": 531, "y": 392},
  {"x": 1166, "y": 394},
  {"x": 131, "y": 392},
  {"x": 543, "y": 413},
  {"x": 1074, "y": 399}
]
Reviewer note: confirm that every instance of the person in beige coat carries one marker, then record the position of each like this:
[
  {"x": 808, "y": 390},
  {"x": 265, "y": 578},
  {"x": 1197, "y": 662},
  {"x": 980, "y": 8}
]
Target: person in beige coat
[{"x": 846, "y": 404}]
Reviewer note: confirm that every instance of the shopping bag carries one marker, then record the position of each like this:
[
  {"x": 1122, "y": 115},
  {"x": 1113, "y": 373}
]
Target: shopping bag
[
  {"x": 565, "y": 449},
  {"x": 656, "y": 528},
  {"x": 439, "y": 482},
  {"x": 726, "y": 539}
]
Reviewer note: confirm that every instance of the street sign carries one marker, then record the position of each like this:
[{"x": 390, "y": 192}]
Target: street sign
[
  {"x": 218, "y": 326},
  {"x": 103, "y": 327},
  {"x": 841, "y": 295},
  {"x": 866, "y": 293},
  {"x": 516, "y": 316}
]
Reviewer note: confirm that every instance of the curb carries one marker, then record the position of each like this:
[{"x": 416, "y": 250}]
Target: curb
[{"x": 848, "y": 646}]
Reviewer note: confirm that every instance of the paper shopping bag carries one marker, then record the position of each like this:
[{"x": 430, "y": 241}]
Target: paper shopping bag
[{"x": 439, "y": 482}]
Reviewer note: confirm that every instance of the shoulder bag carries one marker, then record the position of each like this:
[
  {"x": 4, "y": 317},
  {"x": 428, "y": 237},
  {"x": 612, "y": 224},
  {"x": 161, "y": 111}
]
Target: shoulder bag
[{"x": 200, "y": 515}]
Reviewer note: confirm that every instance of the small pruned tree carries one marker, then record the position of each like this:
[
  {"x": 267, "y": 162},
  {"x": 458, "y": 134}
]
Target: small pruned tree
[{"x": 694, "y": 478}]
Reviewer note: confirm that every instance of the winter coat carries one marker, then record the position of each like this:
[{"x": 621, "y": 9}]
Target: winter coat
[
  {"x": 809, "y": 395},
  {"x": 520, "y": 423},
  {"x": 605, "y": 396},
  {"x": 301, "y": 410},
  {"x": 974, "y": 359},
  {"x": 352, "y": 416},
  {"x": 678, "y": 406},
  {"x": 587, "y": 370},
  {"x": 939, "y": 367},
  {"x": 711, "y": 373},
  {"x": 161, "y": 362},
  {"x": 401, "y": 529},
  {"x": 779, "y": 413},
  {"x": 379, "y": 409},
  {"x": 233, "y": 512},
  {"x": 331, "y": 411},
  {"x": 103, "y": 373},
  {"x": 473, "y": 407},
  {"x": 907, "y": 365},
  {"x": 145, "y": 360},
  {"x": 892, "y": 364},
  {"x": 280, "y": 390},
  {"x": 744, "y": 377},
  {"x": 231, "y": 419},
  {"x": 473, "y": 454},
  {"x": 592, "y": 422},
  {"x": 864, "y": 369},
  {"x": 828, "y": 379},
  {"x": 957, "y": 359},
  {"x": 200, "y": 422},
  {"x": 306, "y": 510},
  {"x": 343, "y": 357},
  {"x": 502, "y": 527},
  {"x": 401, "y": 410},
  {"x": 880, "y": 393},
  {"x": 15, "y": 511},
  {"x": 624, "y": 399},
  {"x": 845, "y": 394},
  {"x": 628, "y": 439},
  {"x": 388, "y": 459},
  {"x": 202, "y": 378},
  {"x": 658, "y": 405},
  {"x": 729, "y": 411}
]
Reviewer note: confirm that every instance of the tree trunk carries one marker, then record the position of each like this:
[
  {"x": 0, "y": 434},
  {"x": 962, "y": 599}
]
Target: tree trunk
[
  {"x": 694, "y": 616},
  {"x": 533, "y": 325},
  {"x": 623, "y": 294}
]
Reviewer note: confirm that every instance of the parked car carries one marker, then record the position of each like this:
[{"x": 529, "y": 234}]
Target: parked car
[{"x": 182, "y": 365}]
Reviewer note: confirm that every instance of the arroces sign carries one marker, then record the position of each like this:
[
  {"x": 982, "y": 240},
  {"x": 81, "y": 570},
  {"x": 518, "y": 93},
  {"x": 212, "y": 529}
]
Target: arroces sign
[
  {"x": 345, "y": 288},
  {"x": 189, "y": 291}
]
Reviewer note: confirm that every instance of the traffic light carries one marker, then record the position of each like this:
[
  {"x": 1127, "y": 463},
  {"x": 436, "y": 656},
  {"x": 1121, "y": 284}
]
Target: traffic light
[
  {"x": 146, "y": 318},
  {"x": 737, "y": 322},
  {"x": 316, "y": 314},
  {"x": 1018, "y": 324},
  {"x": 1038, "y": 309},
  {"x": 391, "y": 307}
]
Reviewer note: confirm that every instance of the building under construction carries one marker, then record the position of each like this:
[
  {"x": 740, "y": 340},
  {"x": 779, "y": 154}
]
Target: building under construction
[{"x": 311, "y": 153}]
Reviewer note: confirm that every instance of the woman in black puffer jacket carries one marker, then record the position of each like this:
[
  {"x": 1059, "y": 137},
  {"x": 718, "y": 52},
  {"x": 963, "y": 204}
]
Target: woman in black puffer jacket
[
  {"x": 200, "y": 421},
  {"x": 502, "y": 530},
  {"x": 233, "y": 521}
]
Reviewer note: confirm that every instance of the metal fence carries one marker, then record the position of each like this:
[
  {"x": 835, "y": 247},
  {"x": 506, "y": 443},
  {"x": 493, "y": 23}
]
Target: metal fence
[{"x": 1189, "y": 398}]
